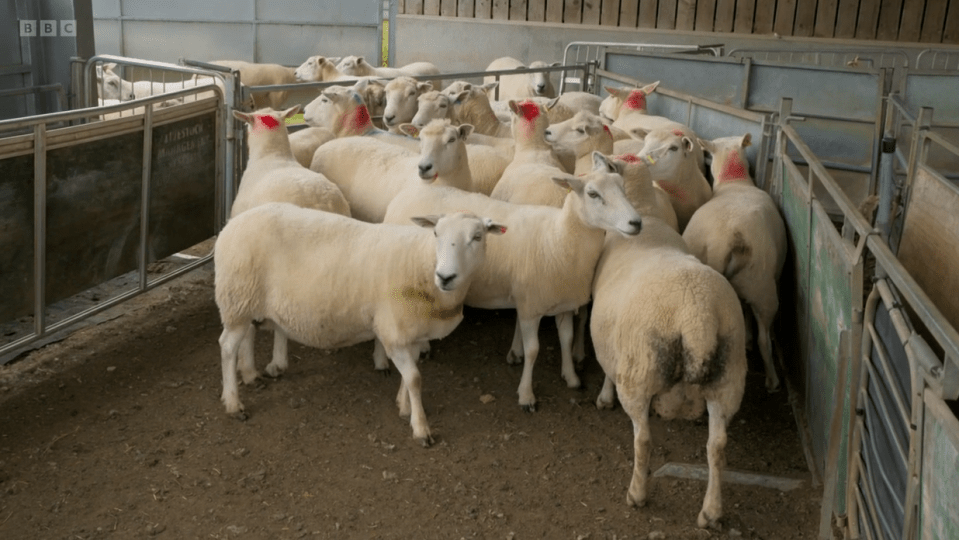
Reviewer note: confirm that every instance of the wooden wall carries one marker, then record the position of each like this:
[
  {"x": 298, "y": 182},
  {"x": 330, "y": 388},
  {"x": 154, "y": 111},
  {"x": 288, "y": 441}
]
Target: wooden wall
[{"x": 927, "y": 21}]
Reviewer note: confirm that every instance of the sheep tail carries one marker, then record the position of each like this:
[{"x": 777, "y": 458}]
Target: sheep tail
[{"x": 737, "y": 257}]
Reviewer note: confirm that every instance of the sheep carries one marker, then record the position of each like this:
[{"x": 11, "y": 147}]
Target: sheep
[
  {"x": 437, "y": 105},
  {"x": 112, "y": 86},
  {"x": 471, "y": 105},
  {"x": 476, "y": 167},
  {"x": 740, "y": 233},
  {"x": 524, "y": 85},
  {"x": 676, "y": 172},
  {"x": 253, "y": 74},
  {"x": 304, "y": 143},
  {"x": 320, "y": 69},
  {"x": 329, "y": 281},
  {"x": 582, "y": 134},
  {"x": 545, "y": 265},
  {"x": 272, "y": 173},
  {"x": 401, "y": 96},
  {"x": 567, "y": 105},
  {"x": 633, "y": 98},
  {"x": 647, "y": 197},
  {"x": 667, "y": 331},
  {"x": 358, "y": 66},
  {"x": 115, "y": 88}
]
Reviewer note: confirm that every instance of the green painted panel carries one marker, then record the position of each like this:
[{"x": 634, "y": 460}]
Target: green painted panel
[{"x": 939, "y": 505}]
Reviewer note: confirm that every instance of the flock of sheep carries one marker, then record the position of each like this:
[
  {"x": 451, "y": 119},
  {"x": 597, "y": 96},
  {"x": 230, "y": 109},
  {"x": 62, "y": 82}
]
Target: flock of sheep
[{"x": 346, "y": 232}]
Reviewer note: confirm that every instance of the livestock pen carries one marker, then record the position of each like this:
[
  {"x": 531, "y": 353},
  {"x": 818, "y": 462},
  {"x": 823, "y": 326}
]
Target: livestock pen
[{"x": 857, "y": 143}]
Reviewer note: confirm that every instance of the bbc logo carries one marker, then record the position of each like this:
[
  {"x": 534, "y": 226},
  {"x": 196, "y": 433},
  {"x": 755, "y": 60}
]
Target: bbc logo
[{"x": 49, "y": 28}]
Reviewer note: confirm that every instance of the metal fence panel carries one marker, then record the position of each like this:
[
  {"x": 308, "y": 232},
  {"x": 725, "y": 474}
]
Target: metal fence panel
[
  {"x": 939, "y": 507},
  {"x": 716, "y": 79}
]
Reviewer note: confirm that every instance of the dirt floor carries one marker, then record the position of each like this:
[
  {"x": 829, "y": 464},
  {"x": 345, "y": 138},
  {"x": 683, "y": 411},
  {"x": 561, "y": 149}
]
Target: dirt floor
[{"x": 118, "y": 432}]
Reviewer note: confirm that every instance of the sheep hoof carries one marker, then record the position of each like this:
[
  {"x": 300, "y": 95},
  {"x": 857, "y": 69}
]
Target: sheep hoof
[
  {"x": 426, "y": 442},
  {"x": 273, "y": 371},
  {"x": 241, "y": 416},
  {"x": 600, "y": 404},
  {"x": 249, "y": 378},
  {"x": 530, "y": 408},
  {"x": 635, "y": 502},
  {"x": 772, "y": 387},
  {"x": 573, "y": 382},
  {"x": 386, "y": 372},
  {"x": 513, "y": 358},
  {"x": 706, "y": 522}
]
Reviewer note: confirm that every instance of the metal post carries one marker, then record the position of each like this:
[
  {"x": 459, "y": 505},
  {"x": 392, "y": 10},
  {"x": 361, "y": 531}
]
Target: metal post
[
  {"x": 886, "y": 185},
  {"x": 39, "y": 227},
  {"x": 145, "y": 195}
]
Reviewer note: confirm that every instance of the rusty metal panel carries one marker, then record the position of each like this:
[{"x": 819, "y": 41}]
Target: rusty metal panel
[{"x": 929, "y": 248}]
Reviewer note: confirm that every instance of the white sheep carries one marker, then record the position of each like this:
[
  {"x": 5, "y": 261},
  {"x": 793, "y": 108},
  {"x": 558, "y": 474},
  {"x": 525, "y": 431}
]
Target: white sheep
[
  {"x": 524, "y": 85},
  {"x": 111, "y": 86},
  {"x": 677, "y": 171},
  {"x": 304, "y": 143},
  {"x": 320, "y": 69},
  {"x": 545, "y": 265},
  {"x": 272, "y": 173},
  {"x": 645, "y": 196},
  {"x": 668, "y": 331},
  {"x": 581, "y": 135},
  {"x": 401, "y": 95},
  {"x": 329, "y": 281},
  {"x": 255, "y": 74},
  {"x": 740, "y": 233},
  {"x": 435, "y": 105},
  {"x": 476, "y": 167},
  {"x": 357, "y": 66},
  {"x": 471, "y": 105}
]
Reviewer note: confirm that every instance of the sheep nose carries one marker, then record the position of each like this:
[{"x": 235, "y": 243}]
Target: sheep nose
[
  {"x": 425, "y": 169},
  {"x": 540, "y": 88},
  {"x": 637, "y": 225},
  {"x": 389, "y": 119},
  {"x": 445, "y": 280}
]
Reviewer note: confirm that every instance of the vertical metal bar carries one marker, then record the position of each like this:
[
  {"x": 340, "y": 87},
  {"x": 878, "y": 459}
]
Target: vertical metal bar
[
  {"x": 145, "y": 195},
  {"x": 886, "y": 185},
  {"x": 878, "y": 128},
  {"x": 392, "y": 35},
  {"x": 39, "y": 228},
  {"x": 857, "y": 389},
  {"x": 744, "y": 98}
]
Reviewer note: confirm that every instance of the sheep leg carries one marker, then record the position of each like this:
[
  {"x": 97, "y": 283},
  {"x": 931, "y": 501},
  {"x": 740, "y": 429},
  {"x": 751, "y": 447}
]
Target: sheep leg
[
  {"x": 405, "y": 360},
  {"x": 607, "y": 395},
  {"x": 380, "y": 362},
  {"x": 579, "y": 337},
  {"x": 231, "y": 340},
  {"x": 764, "y": 314},
  {"x": 515, "y": 355},
  {"x": 403, "y": 400},
  {"x": 530, "y": 330},
  {"x": 715, "y": 454},
  {"x": 637, "y": 407},
  {"x": 246, "y": 365},
  {"x": 564, "y": 324},
  {"x": 281, "y": 359}
]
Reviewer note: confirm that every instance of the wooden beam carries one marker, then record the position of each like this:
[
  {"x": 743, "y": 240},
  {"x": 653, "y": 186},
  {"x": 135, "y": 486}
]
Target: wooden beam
[
  {"x": 431, "y": 7},
  {"x": 910, "y": 24},
  {"x": 666, "y": 15},
  {"x": 868, "y": 19},
  {"x": 628, "y": 13},
  {"x": 517, "y": 10},
  {"x": 414, "y": 7},
  {"x": 591, "y": 11},
  {"x": 725, "y": 15},
  {"x": 846, "y": 19},
  {"x": 889, "y": 13},
  {"x": 934, "y": 21},
  {"x": 573, "y": 12},
  {"x": 805, "y": 18},
  {"x": 536, "y": 11},
  {"x": 501, "y": 9},
  {"x": 609, "y": 15},
  {"x": 647, "y": 13},
  {"x": 705, "y": 15},
  {"x": 686, "y": 15},
  {"x": 764, "y": 20},
  {"x": 484, "y": 9},
  {"x": 950, "y": 32},
  {"x": 554, "y": 11},
  {"x": 401, "y": 7},
  {"x": 448, "y": 8},
  {"x": 745, "y": 13},
  {"x": 826, "y": 18},
  {"x": 785, "y": 17}
]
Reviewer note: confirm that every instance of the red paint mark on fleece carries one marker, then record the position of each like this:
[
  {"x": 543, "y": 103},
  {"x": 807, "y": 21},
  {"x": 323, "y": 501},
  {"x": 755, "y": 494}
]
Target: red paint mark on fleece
[
  {"x": 675, "y": 192},
  {"x": 678, "y": 133},
  {"x": 268, "y": 122},
  {"x": 502, "y": 230},
  {"x": 636, "y": 100},
  {"x": 528, "y": 110},
  {"x": 628, "y": 158},
  {"x": 733, "y": 168},
  {"x": 358, "y": 120},
  {"x": 608, "y": 132}
]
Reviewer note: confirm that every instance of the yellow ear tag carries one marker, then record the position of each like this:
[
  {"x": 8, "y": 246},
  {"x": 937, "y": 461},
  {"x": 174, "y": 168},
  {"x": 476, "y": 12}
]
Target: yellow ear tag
[{"x": 650, "y": 160}]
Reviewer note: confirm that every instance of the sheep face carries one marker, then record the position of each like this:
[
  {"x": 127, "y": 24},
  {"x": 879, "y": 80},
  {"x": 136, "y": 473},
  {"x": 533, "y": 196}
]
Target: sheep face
[
  {"x": 460, "y": 246},
  {"x": 602, "y": 197},
  {"x": 630, "y": 98},
  {"x": 579, "y": 133},
  {"x": 667, "y": 151},
  {"x": 354, "y": 65},
  {"x": 401, "y": 100},
  {"x": 432, "y": 105},
  {"x": 338, "y": 107},
  {"x": 111, "y": 86},
  {"x": 539, "y": 82},
  {"x": 442, "y": 148},
  {"x": 311, "y": 70},
  {"x": 529, "y": 120},
  {"x": 729, "y": 158}
]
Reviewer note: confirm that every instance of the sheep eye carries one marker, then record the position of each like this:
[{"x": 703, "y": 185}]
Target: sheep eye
[
  {"x": 478, "y": 237},
  {"x": 580, "y": 130},
  {"x": 673, "y": 148},
  {"x": 451, "y": 141},
  {"x": 442, "y": 105},
  {"x": 594, "y": 195}
]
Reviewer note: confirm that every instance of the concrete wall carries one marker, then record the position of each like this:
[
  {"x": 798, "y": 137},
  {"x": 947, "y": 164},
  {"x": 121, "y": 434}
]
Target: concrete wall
[{"x": 458, "y": 44}]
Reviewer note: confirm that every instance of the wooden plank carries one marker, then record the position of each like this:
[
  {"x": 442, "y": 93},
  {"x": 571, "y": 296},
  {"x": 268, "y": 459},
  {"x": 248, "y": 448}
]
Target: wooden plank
[
  {"x": 448, "y": 8},
  {"x": 764, "y": 19},
  {"x": 647, "y": 14},
  {"x": 431, "y": 7},
  {"x": 933, "y": 21},
  {"x": 705, "y": 14},
  {"x": 826, "y": 18},
  {"x": 846, "y": 19},
  {"x": 609, "y": 15},
  {"x": 805, "y": 18},
  {"x": 666, "y": 15},
  {"x": 686, "y": 15},
  {"x": 910, "y": 24},
  {"x": 466, "y": 8},
  {"x": 745, "y": 12},
  {"x": 785, "y": 17},
  {"x": 536, "y": 12},
  {"x": 591, "y": 11},
  {"x": 725, "y": 15},
  {"x": 628, "y": 13},
  {"x": 554, "y": 10},
  {"x": 868, "y": 19},
  {"x": 414, "y": 7},
  {"x": 501, "y": 9},
  {"x": 401, "y": 7},
  {"x": 889, "y": 13},
  {"x": 517, "y": 10},
  {"x": 573, "y": 12},
  {"x": 950, "y": 32}
]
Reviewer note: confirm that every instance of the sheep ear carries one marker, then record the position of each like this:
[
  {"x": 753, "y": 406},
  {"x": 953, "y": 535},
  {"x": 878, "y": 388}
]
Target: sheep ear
[
  {"x": 552, "y": 103},
  {"x": 650, "y": 88},
  {"x": 360, "y": 60},
  {"x": 747, "y": 140},
  {"x": 410, "y": 130},
  {"x": 465, "y": 130},
  {"x": 110, "y": 66},
  {"x": 554, "y": 64},
  {"x": 426, "y": 221},
  {"x": 424, "y": 86},
  {"x": 493, "y": 227},
  {"x": 246, "y": 117},
  {"x": 621, "y": 93},
  {"x": 570, "y": 183},
  {"x": 513, "y": 106},
  {"x": 489, "y": 87},
  {"x": 603, "y": 163},
  {"x": 361, "y": 85},
  {"x": 290, "y": 112},
  {"x": 639, "y": 133},
  {"x": 461, "y": 96},
  {"x": 707, "y": 145},
  {"x": 688, "y": 144}
]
